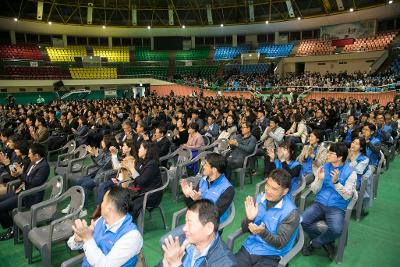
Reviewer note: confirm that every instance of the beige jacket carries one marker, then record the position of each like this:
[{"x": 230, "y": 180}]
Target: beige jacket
[
  {"x": 320, "y": 157},
  {"x": 301, "y": 131}
]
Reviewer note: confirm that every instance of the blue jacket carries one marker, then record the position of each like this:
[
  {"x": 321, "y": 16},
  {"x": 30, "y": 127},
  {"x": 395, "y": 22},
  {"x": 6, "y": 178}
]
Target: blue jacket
[
  {"x": 327, "y": 195},
  {"x": 294, "y": 184},
  {"x": 106, "y": 239},
  {"x": 272, "y": 218},
  {"x": 373, "y": 157},
  {"x": 213, "y": 192}
]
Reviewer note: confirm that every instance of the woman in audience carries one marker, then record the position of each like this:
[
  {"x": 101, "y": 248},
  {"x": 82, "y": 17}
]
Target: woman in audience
[
  {"x": 298, "y": 131},
  {"x": 145, "y": 176},
  {"x": 127, "y": 150},
  {"x": 41, "y": 133},
  {"x": 81, "y": 132},
  {"x": 180, "y": 134},
  {"x": 195, "y": 140},
  {"x": 312, "y": 156},
  {"x": 228, "y": 127},
  {"x": 285, "y": 160}
]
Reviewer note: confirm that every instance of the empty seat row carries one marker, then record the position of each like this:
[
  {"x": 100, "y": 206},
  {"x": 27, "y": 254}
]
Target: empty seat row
[
  {"x": 147, "y": 55},
  {"x": 36, "y": 73},
  {"x": 315, "y": 47},
  {"x": 143, "y": 70},
  {"x": 275, "y": 50},
  {"x": 20, "y": 51},
  {"x": 378, "y": 42},
  {"x": 227, "y": 52},
  {"x": 247, "y": 69},
  {"x": 198, "y": 71},
  {"x": 93, "y": 73},
  {"x": 65, "y": 54},
  {"x": 117, "y": 54},
  {"x": 193, "y": 54}
]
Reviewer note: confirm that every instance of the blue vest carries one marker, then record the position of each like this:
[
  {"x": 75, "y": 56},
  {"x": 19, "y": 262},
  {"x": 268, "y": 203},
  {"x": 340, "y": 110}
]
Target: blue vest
[
  {"x": 373, "y": 157},
  {"x": 187, "y": 259},
  {"x": 347, "y": 138},
  {"x": 328, "y": 195},
  {"x": 306, "y": 167},
  {"x": 272, "y": 218},
  {"x": 294, "y": 184},
  {"x": 214, "y": 192},
  {"x": 106, "y": 239},
  {"x": 360, "y": 158}
]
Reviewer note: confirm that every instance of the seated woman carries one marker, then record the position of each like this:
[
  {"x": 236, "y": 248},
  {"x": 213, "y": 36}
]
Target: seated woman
[
  {"x": 81, "y": 132},
  {"x": 312, "y": 156},
  {"x": 102, "y": 160},
  {"x": 149, "y": 177},
  {"x": 194, "y": 142},
  {"x": 285, "y": 160},
  {"x": 359, "y": 162},
  {"x": 180, "y": 134},
  {"x": 298, "y": 131},
  {"x": 127, "y": 150},
  {"x": 228, "y": 127},
  {"x": 41, "y": 133}
]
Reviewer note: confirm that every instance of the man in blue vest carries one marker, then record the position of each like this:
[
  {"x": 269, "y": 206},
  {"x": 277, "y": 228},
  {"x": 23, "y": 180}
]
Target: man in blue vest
[
  {"x": 203, "y": 245},
  {"x": 113, "y": 240},
  {"x": 273, "y": 222},
  {"x": 213, "y": 186},
  {"x": 334, "y": 185}
]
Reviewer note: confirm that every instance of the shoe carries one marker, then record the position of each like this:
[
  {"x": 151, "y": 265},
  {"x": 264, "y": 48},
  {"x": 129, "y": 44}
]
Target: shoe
[
  {"x": 83, "y": 213},
  {"x": 330, "y": 250},
  {"x": 7, "y": 235},
  {"x": 308, "y": 250},
  {"x": 66, "y": 210}
]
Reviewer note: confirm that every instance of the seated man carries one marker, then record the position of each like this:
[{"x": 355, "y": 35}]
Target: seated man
[
  {"x": 35, "y": 175},
  {"x": 273, "y": 223},
  {"x": 162, "y": 141},
  {"x": 334, "y": 185},
  {"x": 211, "y": 129},
  {"x": 203, "y": 245},
  {"x": 242, "y": 146},
  {"x": 213, "y": 186},
  {"x": 113, "y": 240}
]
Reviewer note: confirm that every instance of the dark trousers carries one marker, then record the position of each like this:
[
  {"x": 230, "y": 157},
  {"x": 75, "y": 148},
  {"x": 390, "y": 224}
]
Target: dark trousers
[
  {"x": 102, "y": 189},
  {"x": 8, "y": 202},
  {"x": 88, "y": 183},
  {"x": 232, "y": 164},
  {"x": 333, "y": 217},
  {"x": 245, "y": 259}
]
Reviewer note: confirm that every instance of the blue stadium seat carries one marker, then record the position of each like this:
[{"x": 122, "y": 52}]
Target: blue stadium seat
[{"x": 275, "y": 50}]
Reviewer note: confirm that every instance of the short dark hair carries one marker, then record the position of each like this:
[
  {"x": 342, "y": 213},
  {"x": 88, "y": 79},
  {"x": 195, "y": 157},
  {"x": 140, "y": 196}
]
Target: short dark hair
[
  {"x": 340, "y": 149},
  {"x": 41, "y": 120},
  {"x": 371, "y": 126},
  {"x": 207, "y": 211},
  {"x": 363, "y": 144},
  {"x": 162, "y": 129},
  {"x": 22, "y": 146},
  {"x": 120, "y": 197},
  {"x": 39, "y": 149},
  {"x": 194, "y": 126},
  {"x": 290, "y": 146},
  {"x": 319, "y": 134},
  {"x": 281, "y": 177},
  {"x": 7, "y": 132},
  {"x": 217, "y": 161}
]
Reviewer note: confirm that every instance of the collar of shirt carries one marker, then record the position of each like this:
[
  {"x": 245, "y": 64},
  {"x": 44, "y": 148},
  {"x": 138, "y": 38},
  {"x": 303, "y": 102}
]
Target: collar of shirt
[
  {"x": 114, "y": 228},
  {"x": 197, "y": 254},
  {"x": 37, "y": 162},
  {"x": 277, "y": 205}
]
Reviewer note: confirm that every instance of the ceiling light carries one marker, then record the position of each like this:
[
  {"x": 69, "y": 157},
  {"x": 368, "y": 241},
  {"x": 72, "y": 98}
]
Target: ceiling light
[
  {"x": 222, "y": 25},
  {"x": 266, "y": 22},
  {"x": 15, "y": 19},
  {"x": 351, "y": 9},
  {"x": 183, "y": 26},
  {"x": 104, "y": 26},
  {"x": 390, "y": 2},
  {"x": 49, "y": 22},
  {"x": 149, "y": 27},
  {"x": 298, "y": 18}
]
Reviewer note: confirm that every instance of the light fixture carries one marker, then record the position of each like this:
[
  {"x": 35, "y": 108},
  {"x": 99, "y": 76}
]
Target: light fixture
[
  {"x": 183, "y": 26},
  {"x": 351, "y": 9},
  {"x": 222, "y": 25},
  {"x": 49, "y": 22},
  {"x": 149, "y": 27},
  {"x": 390, "y": 2},
  {"x": 266, "y": 22},
  {"x": 15, "y": 19},
  {"x": 140, "y": 84},
  {"x": 298, "y": 18},
  {"x": 104, "y": 26}
]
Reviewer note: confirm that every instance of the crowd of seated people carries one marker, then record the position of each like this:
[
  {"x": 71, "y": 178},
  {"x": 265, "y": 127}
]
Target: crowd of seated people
[
  {"x": 125, "y": 138},
  {"x": 348, "y": 81}
]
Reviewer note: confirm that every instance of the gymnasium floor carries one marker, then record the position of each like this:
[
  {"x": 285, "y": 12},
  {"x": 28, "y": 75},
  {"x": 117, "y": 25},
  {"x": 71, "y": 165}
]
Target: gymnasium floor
[{"x": 374, "y": 241}]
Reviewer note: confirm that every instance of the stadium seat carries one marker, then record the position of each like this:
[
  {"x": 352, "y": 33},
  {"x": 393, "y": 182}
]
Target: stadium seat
[
  {"x": 275, "y": 50},
  {"x": 65, "y": 54},
  {"x": 93, "y": 73},
  {"x": 115, "y": 54},
  {"x": 227, "y": 52}
]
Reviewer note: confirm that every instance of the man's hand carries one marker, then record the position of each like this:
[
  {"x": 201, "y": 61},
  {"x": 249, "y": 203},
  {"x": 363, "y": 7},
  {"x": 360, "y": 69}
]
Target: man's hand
[
  {"x": 251, "y": 208},
  {"x": 335, "y": 176},
  {"x": 173, "y": 251},
  {"x": 82, "y": 230},
  {"x": 271, "y": 154},
  {"x": 113, "y": 150},
  {"x": 233, "y": 142},
  {"x": 256, "y": 230},
  {"x": 187, "y": 188},
  {"x": 195, "y": 195},
  {"x": 321, "y": 174}
]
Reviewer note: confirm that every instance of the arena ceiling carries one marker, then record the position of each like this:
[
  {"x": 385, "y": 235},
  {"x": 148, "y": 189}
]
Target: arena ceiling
[{"x": 155, "y": 13}]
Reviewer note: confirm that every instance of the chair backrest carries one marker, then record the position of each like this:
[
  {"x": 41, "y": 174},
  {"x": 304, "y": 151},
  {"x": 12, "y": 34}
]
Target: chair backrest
[
  {"x": 77, "y": 198},
  {"x": 57, "y": 186},
  {"x": 327, "y": 144},
  {"x": 231, "y": 217},
  {"x": 164, "y": 175},
  {"x": 222, "y": 144},
  {"x": 80, "y": 152},
  {"x": 206, "y": 140},
  {"x": 70, "y": 146},
  {"x": 183, "y": 155}
]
